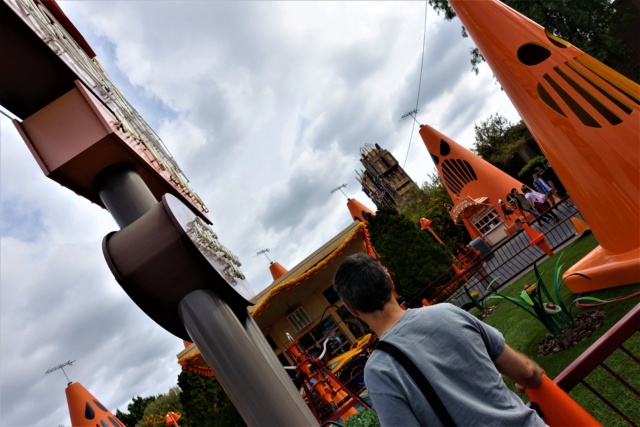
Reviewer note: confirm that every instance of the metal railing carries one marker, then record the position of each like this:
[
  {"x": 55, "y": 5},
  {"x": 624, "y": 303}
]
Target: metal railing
[
  {"x": 596, "y": 357},
  {"x": 506, "y": 260}
]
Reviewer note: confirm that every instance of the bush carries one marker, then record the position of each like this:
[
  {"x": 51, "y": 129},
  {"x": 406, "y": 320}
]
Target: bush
[
  {"x": 527, "y": 171},
  {"x": 364, "y": 419}
]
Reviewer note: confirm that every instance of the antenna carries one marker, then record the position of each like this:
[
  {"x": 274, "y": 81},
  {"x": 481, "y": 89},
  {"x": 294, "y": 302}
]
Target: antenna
[
  {"x": 264, "y": 252},
  {"x": 411, "y": 113},
  {"x": 339, "y": 188},
  {"x": 61, "y": 366}
]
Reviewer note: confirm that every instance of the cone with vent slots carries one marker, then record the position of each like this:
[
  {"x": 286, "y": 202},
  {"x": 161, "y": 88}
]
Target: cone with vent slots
[
  {"x": 537, "y": 239},
  {"x": 470, "y": 181},
  {"x": 579, "y": 225},
  {"x": 586, "y": 119},
  {"x": 86, "y": 410},
  {"x": 277, "y": 270},
  {"x": 558, "y": 408},
  {"x": 358, "y": 211}
]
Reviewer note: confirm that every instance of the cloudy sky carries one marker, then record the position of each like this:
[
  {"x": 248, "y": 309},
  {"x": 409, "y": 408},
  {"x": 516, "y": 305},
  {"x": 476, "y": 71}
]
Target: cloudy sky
[{"x": 265, "y": 106}]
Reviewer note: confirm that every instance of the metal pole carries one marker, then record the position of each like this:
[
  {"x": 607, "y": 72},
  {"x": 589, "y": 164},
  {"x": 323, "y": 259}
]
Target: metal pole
[
  {"x": 255, "y": 335},
  {"x": 243, "y": 371},
  {"x": 124, "y": 193}
]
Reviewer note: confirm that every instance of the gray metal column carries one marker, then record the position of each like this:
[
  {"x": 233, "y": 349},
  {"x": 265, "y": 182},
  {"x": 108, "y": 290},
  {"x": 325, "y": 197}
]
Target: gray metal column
[
  {"x": 124, "y": 193},
  {"x": 255, "y": 335},
  {"x": 246, "y": 375}
]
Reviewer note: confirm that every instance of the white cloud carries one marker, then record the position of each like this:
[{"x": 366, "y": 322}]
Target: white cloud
[{"x": 265, "y": 106}]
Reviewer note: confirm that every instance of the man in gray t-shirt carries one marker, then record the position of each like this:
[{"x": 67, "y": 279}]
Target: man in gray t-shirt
[{"x": 461, "y": 357}]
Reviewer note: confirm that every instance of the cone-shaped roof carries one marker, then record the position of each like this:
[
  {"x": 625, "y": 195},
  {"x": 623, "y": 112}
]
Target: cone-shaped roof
[
  {"x": 277, "y": 270},
  {"x": 584, "y": 115},
  {"x": 86, "y": 410},
  {"x": 358, "y": 211},
  {"x": 465, "y": 175}
]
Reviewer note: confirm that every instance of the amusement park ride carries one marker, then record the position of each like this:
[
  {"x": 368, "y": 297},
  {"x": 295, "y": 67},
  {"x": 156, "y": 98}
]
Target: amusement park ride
[{"x": 86, "y": 136}]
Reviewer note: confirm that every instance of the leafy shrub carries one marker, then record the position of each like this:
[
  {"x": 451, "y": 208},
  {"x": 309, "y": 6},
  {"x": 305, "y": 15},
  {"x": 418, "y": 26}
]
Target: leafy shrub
[
  {"x": 527, "y": 171},
  {"x": 364, "y": 419}
]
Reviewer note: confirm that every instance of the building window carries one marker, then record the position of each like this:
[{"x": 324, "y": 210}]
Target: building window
[
  {"x": 331, "y": 295},
  {"x": 299, "y": 319},
  {"x": 314, "y": 339},
  {"x": 486, "y": 220}
]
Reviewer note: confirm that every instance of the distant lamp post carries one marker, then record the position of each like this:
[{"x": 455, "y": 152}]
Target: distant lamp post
[{"x": 425, "y": 224}]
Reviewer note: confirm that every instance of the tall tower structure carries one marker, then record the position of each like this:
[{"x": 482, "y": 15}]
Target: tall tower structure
[{"x": 383, "y": 179}]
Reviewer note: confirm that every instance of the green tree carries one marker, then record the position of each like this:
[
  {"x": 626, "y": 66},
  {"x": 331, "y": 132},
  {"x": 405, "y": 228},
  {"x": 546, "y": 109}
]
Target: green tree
[
  {"x": 507, "y": 146},
  {"x": 205, "y": 402},
  {"x": 136, "y": 410},
  {"x": 591, "y": 25},
  {"x": 432, "y": 204},
  {"x": 411, "y": 255},
  {"x": 156, "y": 412}
]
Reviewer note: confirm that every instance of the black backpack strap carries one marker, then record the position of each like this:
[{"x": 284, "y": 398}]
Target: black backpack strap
[{"x": 420, "y": 380}]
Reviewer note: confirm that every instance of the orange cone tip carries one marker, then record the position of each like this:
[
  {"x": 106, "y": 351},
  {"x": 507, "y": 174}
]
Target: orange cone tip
[
  {"x": 86, "y": 410},
  {"x": 358, "y": 211},
  {"x": 277, "y": 270}
]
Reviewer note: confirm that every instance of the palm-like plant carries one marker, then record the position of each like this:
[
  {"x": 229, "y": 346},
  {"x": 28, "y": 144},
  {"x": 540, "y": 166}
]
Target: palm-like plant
[
  {"x": 474, "y": 296},
  {"x": 538, "y": 302}
]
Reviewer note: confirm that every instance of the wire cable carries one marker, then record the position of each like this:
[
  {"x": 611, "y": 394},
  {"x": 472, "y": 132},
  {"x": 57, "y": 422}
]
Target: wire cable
[{"x": 424, "y": 39}]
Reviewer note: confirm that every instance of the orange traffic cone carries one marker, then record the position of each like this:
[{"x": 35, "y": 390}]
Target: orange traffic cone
[
  {"x": 579, "y": 225},
  {"x": 86, "y": 410},
  {"x": 460, "y": 272},
  {"x": 537, "y": 239},
  {"x": 558, "y": 408}
]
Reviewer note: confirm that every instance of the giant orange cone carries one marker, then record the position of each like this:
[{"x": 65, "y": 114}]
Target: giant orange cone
[
  {"x": 86, "y": 410},
  {"x": 277, "y": 270},
  {"x": 537, "y": 239},
  {"x": 586, "y": 119},
  {"x": 468, "y": 178},
  {"x": 558, "y": 408},
  {"x": 358, "y": 211}
]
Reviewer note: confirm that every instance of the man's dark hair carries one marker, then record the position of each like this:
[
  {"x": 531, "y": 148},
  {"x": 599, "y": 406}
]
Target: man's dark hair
[
  {"x": 362, "y": 283},
  {"x": 525, "y": 190}
]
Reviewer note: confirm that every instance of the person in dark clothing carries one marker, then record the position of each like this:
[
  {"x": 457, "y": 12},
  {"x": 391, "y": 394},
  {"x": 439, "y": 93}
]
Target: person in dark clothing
[
  {"x": 542, "y": 187},
  {"x": 519, "y": 201},
  {"x": 549, "y": 176}
]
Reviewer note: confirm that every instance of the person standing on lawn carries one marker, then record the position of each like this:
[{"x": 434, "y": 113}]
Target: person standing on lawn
[{"x": 461, "y": 357}]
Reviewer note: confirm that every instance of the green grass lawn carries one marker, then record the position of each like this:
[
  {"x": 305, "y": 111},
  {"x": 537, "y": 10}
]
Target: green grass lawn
[{"x": 524, "y": 333}]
